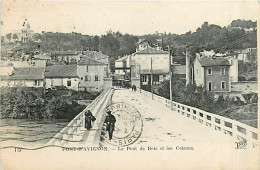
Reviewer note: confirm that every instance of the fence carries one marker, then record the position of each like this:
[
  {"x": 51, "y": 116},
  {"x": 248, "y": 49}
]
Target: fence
[
  {"x": 70, "y": 132},
  {"x": 238, "y": 130}
]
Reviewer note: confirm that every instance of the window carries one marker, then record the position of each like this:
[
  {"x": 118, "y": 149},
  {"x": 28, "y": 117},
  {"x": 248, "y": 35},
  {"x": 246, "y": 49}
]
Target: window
[
  {"x": 86, "y": 68},
  {"x": 209, "y": 71},
  {"x": 68, "y": 83},
  {"x": 222, "y": 70},
  {"x": 86, "y": 78},
  {"x": 164, "y": 77},
  {"x": 144, "y": 78},
  {"x": 210, "y": 86},
  {"x": 36, "y": 82},
  {"x": 197, "y": 71},
  {"x": 96, "y": 77},
  {"x": 223, "y": 85}
]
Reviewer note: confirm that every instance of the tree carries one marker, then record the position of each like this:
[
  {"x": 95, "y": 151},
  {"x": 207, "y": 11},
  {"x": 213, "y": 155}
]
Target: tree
[
  {"x": 15, "y": 37},
  {"x": 8, "y": 36}
]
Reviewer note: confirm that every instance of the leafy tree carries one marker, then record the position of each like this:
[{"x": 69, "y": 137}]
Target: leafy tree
[
  {"x": 15, "y": 37},
  {"x": 8, "y": 36}
]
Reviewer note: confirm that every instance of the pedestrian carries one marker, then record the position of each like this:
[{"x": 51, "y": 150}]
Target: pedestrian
[
  {"x": 134, "y": 87},
  {"x": 88, "y": 119},
  {"x": 110, "y": 124}
]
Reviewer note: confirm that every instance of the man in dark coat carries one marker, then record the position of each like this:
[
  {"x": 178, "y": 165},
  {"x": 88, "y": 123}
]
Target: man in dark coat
[
  {"x": 110, "y": 124},
  {"x": 88, "y": 118}
]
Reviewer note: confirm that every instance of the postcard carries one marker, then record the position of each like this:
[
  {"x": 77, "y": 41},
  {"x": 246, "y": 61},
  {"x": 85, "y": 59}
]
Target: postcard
[{"x": 129, "y": 85}]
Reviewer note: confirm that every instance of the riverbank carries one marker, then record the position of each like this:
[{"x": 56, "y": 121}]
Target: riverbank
[{"x": 33, "y": 103}]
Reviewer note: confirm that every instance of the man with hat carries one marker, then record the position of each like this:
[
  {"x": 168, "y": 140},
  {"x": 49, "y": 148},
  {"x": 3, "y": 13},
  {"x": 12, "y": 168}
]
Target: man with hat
[{"x": 110, "y": 123}]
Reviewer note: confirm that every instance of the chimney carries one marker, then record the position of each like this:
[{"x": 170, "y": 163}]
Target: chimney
[{"x": 187, "y": 66}]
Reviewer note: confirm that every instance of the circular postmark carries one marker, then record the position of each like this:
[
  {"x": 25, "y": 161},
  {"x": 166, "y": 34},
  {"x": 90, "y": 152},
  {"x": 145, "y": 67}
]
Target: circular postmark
[{"x": 128, "y": 125}]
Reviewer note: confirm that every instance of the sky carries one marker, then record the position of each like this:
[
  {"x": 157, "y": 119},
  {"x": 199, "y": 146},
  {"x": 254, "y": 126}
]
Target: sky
[{"x": 137, "y": 18}]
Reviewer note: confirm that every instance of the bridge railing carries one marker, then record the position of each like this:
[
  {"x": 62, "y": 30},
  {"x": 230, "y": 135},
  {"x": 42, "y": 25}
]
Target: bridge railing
[
  {"x": 75, "y": 125},
  {"x": 236, "y": 129}
]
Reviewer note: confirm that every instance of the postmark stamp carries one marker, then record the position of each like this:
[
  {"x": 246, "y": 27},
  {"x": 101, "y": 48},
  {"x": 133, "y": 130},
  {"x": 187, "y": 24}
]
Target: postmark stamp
[{"x": 128, "y": 126}]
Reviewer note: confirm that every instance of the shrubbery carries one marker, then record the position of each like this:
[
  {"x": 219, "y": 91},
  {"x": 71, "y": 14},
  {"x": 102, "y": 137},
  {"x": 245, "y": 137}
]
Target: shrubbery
[
  {"x": 194, "y": 96},
  {"x": 25, "y": 102}
]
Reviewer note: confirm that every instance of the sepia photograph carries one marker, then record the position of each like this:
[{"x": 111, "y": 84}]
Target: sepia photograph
[{"x": 129, "y": 85}]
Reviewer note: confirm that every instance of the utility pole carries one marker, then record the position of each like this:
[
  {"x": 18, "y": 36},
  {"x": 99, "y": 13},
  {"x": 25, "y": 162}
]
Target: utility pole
[
  {"x": 170, "y": 72},
  {"x": 140, "y": 77},
  {"x": 187, "y": 66},
  {"x": 152, "y": 76}
]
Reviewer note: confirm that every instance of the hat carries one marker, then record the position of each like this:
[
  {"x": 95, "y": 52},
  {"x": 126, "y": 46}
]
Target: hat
[{"x": 109, "y": 111}]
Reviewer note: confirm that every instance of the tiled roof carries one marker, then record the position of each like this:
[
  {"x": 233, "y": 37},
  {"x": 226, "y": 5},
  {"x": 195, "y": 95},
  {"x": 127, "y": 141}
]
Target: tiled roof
[
  {"x": 151, "y": 51},
  {"x": 61, "y": 71},
  {"x": 89, "y": 61},
  {"x": 209, "y": 61},
  {"x": 26, "y": 73},
  {"x": 95, "y": 55},
  {"x": 122, "y": 58},
  {"x": 179, "y": 69},
  {"x": 64, "y": 53}
]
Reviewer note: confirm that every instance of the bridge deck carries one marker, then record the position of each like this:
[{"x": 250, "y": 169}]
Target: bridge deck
[{"x": 163, "y": 126}]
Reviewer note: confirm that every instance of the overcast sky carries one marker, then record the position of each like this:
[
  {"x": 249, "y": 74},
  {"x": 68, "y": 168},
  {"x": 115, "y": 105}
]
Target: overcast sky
[{"x": 138, "y": 18}]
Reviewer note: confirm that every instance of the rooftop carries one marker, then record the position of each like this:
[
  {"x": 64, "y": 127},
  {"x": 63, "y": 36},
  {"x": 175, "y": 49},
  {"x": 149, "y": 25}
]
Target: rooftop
[
  {"x": 213, "y": 61},
  {"x": 122, "y": 58},
  {"x": 61, "y": 71},
  {"x": 85, "y": 60},
  {"x": 151, "y": 51},
  {"x": 26, "y": 73},
  {"x": 95, "y": 55}
]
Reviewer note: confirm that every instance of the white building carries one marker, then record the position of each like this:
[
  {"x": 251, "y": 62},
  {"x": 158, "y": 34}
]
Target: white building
[
  {"x": 62, "y": 75},
  {"x": 93, "y": 74},
  {"x": 122, "y": 65},
  {"x": 152, "y": 61},
  {"x": 24, "y": 76}
]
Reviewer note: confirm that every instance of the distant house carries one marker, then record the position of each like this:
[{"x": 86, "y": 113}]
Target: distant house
[
  {"x": 69, "y": 57},
  {"x": 23, "y": 35},
  {"x": 149, "y": 62},
  {"x": 122, "y": 70},
  {"x": 29, "y": 63},
  {"x": 92, "y": 74},
  {"x": 246, "y": 55},
  {"x": 42, "y": 57},
  {"x": 142, "y": 44},
  {"x": 122, "y": 65},
  {"x": 212, "y": 73},
  {"x": 97, "y": 56},
  {"x": 23, "y": 76},
  {"x": 62, "y": 75}
]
